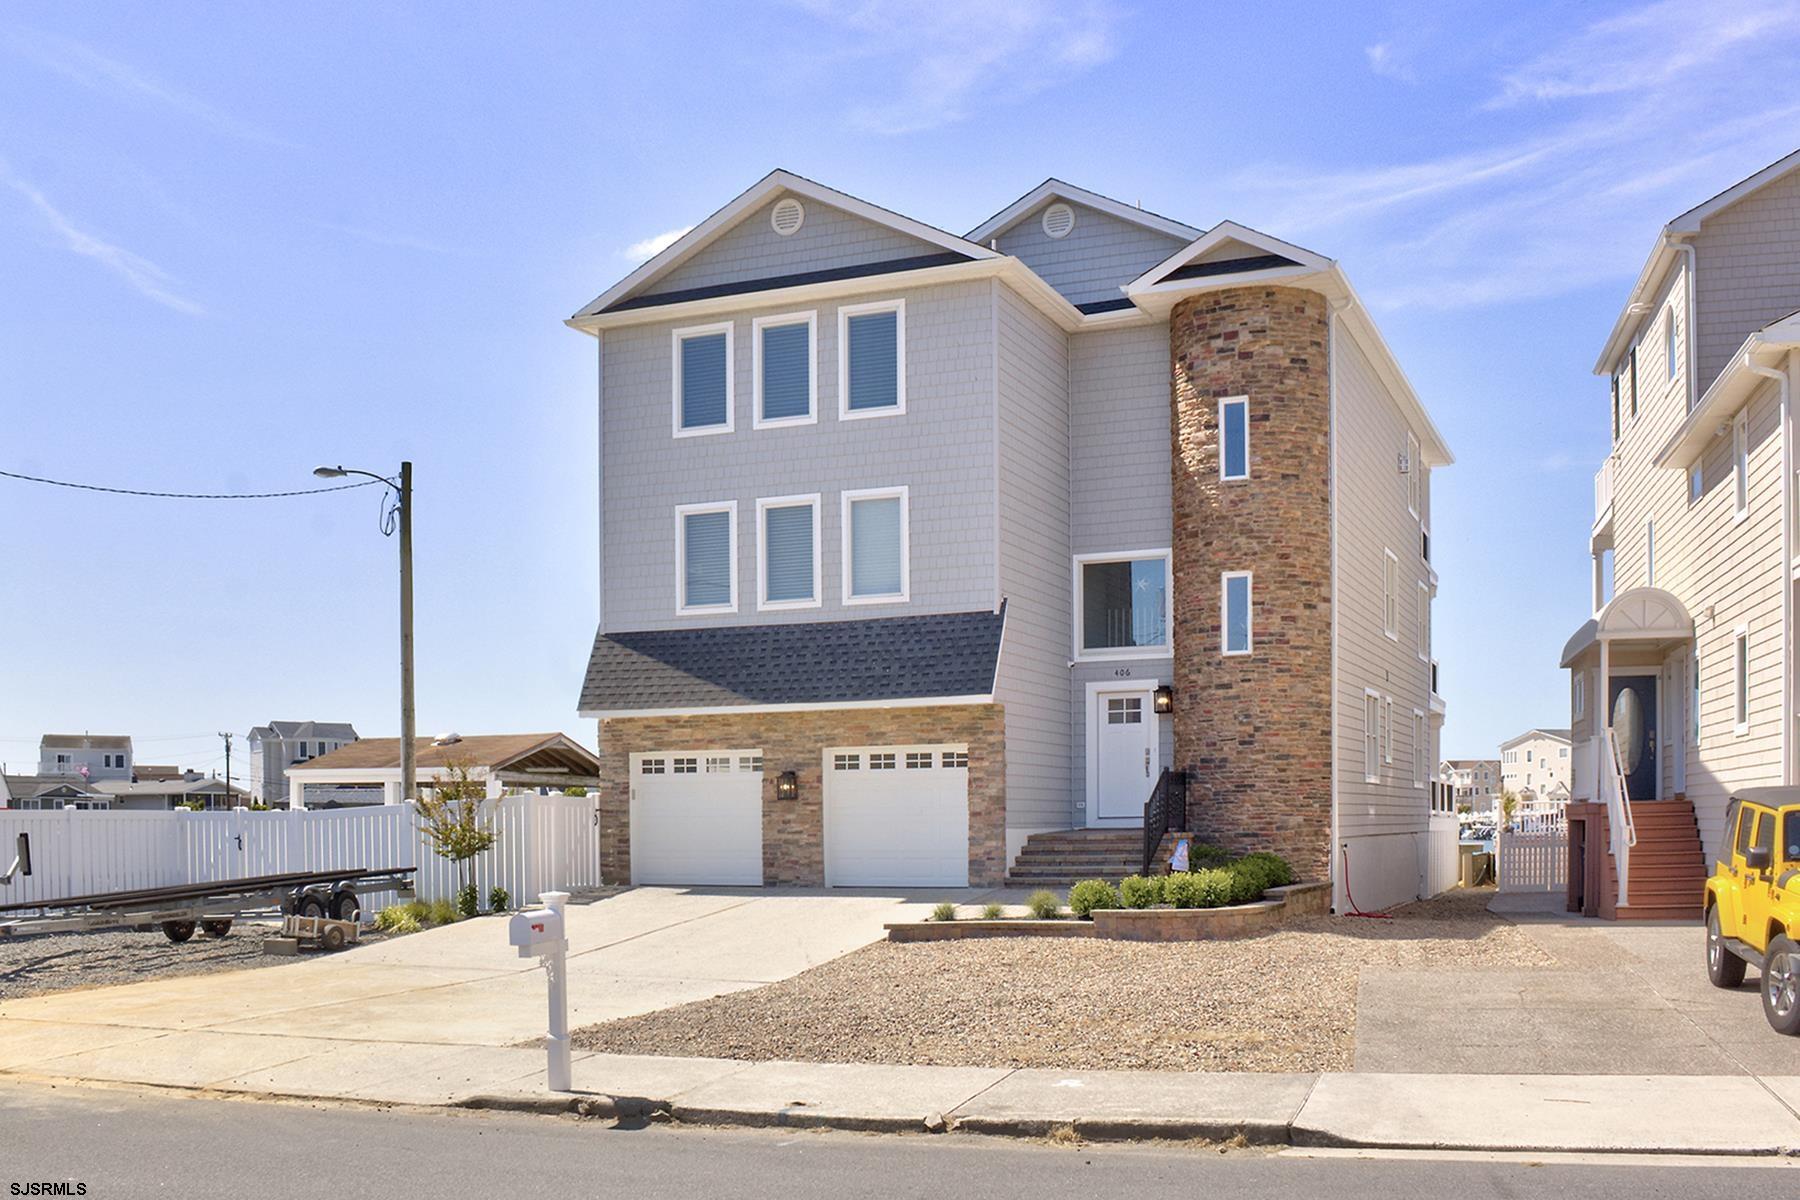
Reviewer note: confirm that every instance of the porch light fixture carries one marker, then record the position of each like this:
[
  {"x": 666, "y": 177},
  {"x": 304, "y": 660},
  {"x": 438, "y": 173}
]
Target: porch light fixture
[
  {"x": 1163, "y": 701},
  {"x": 787, "y": 786}
]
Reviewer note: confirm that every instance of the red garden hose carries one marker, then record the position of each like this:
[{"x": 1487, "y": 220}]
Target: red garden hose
[{"x": 1344, "y": 852}]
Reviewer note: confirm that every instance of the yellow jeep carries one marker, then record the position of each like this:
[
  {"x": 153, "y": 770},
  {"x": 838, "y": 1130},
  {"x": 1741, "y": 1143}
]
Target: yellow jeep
[{"x": 1753, "y": 901}]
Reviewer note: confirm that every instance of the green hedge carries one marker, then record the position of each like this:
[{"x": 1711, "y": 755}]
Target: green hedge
[
  {"x": 1223, "y": 882},
  {"x": 1090, "y": 894}
]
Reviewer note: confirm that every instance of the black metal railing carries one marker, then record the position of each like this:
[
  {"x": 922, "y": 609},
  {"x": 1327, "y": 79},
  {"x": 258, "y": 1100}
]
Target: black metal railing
[{"x": 1164, "y": 812}]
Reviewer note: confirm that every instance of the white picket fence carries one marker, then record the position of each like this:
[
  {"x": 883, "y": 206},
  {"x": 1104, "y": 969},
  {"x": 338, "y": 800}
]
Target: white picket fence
[
  {"x": 1532, "y": 862},
  {"x": 545, "y": 843},
  {"x": 1443, "y": 865}
]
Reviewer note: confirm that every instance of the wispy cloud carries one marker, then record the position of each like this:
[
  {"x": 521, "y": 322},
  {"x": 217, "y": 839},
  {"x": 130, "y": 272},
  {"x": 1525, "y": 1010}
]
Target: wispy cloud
[
  {"x": 1645, "y": 49},
  {"x": 933, "y": 65},
  {"x": 388, "y": 238},
  {"x": 140, "y": 273},
  {"x": 650, "y": 247},
  {"x": 1579, "y": 170},
  {"x": 1388, "y": 60},
  {"x": 88, "y": 67}
]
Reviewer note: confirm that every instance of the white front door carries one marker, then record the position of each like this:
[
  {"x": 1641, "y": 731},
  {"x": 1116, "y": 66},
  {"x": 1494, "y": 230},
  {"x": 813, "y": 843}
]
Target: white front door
[{"x": 1122, "y": 753}]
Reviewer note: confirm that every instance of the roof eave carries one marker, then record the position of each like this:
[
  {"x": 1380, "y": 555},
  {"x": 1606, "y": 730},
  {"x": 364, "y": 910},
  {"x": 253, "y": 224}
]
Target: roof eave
[
  {"x": 1635, "y": 310},
  {"x": 1023, "y": 207},
  {"x": 1729, "y": 392}
]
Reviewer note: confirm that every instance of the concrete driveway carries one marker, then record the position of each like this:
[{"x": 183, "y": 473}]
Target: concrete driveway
[{"x": 450, "y": 1003}]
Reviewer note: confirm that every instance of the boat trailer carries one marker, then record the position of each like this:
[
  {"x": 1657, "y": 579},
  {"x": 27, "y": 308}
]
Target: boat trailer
[{"x": 210, "y": 908}]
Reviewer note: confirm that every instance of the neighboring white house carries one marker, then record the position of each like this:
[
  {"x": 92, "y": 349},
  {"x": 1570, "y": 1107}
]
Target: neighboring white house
[
  {"x": 280, "y": 744},
  {"x": 506, "y": 762},
  {"x": 1472, "y": 781},
  {"x": 90, "y": 756},
  {"x": 1535, "y": 765},
  {"x": 163, "y": 795}
]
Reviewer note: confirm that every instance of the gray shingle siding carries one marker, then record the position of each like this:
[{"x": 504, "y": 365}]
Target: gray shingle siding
[
  {"x": 1034, "y": 561},
  {"x": 941, "y": 448},
  {"x": 751, "y": 249},
  {"x": 1098, "y": 257},
  {"x": 1749, "y": 274}
]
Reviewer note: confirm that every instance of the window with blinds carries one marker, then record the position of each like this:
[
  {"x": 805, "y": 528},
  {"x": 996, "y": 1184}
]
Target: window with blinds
[
  {"x": 790, "y": 543},
  {"x": 707, "y": 545},
  {"x": 703, "y": 380},
  {"x": 784, "y": 374},
  {"x": 875, "y": 553},
  {"x": 872, "y": 359}
]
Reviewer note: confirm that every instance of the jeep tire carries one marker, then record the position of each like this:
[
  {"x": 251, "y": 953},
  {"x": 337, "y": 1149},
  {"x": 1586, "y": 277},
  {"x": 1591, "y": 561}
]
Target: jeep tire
[
  {"x": 1723, "y": 968},
  {"x": 1781, "y": 985}
]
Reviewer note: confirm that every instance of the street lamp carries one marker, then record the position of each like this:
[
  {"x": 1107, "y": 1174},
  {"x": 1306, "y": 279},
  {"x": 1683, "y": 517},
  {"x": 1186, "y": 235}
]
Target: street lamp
[{"x": 403, "y": 508}]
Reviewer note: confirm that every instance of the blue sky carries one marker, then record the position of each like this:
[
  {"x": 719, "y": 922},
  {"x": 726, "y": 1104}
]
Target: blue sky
[{"x": 241, "y": 240}]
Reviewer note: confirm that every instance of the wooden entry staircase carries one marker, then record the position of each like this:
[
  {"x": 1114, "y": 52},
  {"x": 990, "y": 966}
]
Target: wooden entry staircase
[{"x": 1668, "y": 866}]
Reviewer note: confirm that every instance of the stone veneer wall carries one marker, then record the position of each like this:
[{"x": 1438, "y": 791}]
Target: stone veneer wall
[
  {"x": 793, "y": 833},
  {"x": 1254, "y": 732}
]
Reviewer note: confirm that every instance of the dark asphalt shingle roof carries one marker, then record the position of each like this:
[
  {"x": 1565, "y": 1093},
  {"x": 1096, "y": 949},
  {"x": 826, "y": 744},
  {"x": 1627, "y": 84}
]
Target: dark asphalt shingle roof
[{"x": 813, "y": 662}]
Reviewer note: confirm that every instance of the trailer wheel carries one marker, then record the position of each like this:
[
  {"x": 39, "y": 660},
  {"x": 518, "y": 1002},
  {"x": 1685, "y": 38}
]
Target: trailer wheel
[
  {"x": 344, "y": 905},
  {"x": 311, "y": 906},
  {"x": 178, "y": 931},
  {"x": 331, "y": 937},
  {"x": 215, "y": 929}
]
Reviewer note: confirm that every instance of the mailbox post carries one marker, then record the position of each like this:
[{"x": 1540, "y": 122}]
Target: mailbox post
[{"x": 538, "y": 933}]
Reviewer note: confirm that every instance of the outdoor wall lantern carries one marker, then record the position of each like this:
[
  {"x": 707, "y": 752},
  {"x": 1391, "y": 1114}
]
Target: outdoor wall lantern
[
  {"x": 787, "y": 786},
  {"x": 1164, "y": 699}
]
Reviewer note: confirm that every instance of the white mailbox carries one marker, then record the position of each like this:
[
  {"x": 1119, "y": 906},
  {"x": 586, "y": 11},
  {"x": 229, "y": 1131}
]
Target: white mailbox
[{"x": 537, "y": 932}]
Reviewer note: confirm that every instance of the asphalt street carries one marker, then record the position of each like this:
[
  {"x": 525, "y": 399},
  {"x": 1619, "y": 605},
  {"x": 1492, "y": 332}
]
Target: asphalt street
[{"x": 139, "y": 1143}]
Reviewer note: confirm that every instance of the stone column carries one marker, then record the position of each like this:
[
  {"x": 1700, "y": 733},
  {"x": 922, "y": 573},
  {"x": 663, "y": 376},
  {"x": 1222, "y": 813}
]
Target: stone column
[{"x": 1254, "y": 732}]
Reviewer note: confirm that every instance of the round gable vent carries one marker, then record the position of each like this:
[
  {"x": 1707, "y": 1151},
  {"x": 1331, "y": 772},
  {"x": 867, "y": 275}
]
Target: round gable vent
[
  {"x": 787, "y": 216},
  {"x": 1058, "y": 220}
]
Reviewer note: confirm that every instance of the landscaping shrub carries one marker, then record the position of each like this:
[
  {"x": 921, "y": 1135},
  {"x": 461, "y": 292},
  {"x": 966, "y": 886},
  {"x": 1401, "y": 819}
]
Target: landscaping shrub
[
  {"x": 468, "y": 900},
  {"x": 1090, "y": 894},
  {"x": 401, "y": 918},
  {"x": 1275, "y": 868},
  {"x": 440, "y": 912},
  {"x": 1139, "y": 891},
  {"x": 1215, "y": 887},
  {"x": 1246, "y": 881},
  {"x": 1044, "y": 905},
  {"x": 992, "y": 912},
  {"x": 1254, "y": 874},
  {"x": 1205, "y": 854},
  {"x": 944, "y": 912},
  {"x": 499, "y": 899},
  {"x": 1182, "y": 889}
]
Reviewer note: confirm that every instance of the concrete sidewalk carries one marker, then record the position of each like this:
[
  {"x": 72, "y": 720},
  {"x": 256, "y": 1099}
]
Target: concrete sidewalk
[{"x": 1734, "y": 1115}]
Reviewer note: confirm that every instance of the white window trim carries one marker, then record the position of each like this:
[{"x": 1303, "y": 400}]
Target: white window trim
[
  {"x": 763, "y": 505},
  {"x": 1693, "y": 698},
  {"x": 1650, "y": 552},
  {"x": 849, "y": 497},
  {"x": 682, "y": 512},
  {"x": 1371, "y": 735},
  {"x": 1224, "y": 403},
  {"x": 1740, "y": 466},
  {"x": 811, "y": 321},
  {"x": 844, "y": 313},
  {"x": 1123, "y": 652},
  {"x": 1419, "y": 738},
  {"x": 1423, "y": 615},
  {"x": 1249, "y": 617},
  {"x": 1580, "y": 687},
  {"x": 1387, "y": 731},
  {"x": 1740, "y": 682},
  {"x": 1414, "y": 497},
  {"x": 1390, "y": 595},
  {"x": 675, "y": 339}
]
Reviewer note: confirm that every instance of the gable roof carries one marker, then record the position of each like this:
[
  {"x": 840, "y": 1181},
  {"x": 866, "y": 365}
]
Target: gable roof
[
  {"x": 1560, "y": 735},
  {"x": 27, "y": 787},
  {"x": 330, "y": 730},
  {"x": 883, "y": 660},
  {"x": 492, "y": 751},
  {"x": 776, "y": 181},
  {"x": 1056, "y": 189}
]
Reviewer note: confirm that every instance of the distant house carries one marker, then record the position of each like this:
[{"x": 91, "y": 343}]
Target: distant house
[
  {"x": 1535, "y": 765},
  {"x": 1472, "y": 781},
  {"x": 91, "y": 756},
  {"x": 163, "y": 795},
  {"x": 503, "y": 762},
  {"x": 31, "y": 792},
  {"x": 280, "y": 744}
]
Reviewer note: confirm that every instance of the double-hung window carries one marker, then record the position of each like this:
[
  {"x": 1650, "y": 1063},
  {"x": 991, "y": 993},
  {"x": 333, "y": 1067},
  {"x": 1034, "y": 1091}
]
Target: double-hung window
[
  {"x": 1234, "y": 437},
  {"x": 1234, "y": 609},
  {"x": 786, "y": 386},
  {"x": 703, "y": 380},
  {"x": 872, "y": 359},
  {"x": 1424, "y": 622},
  {"x": 706, "y": 557},
  {"x": 1122, "y": 605},
  {"x": 877, "y": 548},
  {"x": 1371, "y": 735},
  {"x": 787, "y": 557}
]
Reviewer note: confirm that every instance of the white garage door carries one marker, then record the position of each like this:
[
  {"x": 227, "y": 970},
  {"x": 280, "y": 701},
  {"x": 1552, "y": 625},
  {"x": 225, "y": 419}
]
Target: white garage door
[
  {"x": 897, "y": 816},
  {"x": 696, "y": 817}
]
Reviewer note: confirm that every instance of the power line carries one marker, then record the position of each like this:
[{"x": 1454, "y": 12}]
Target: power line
[{"x": 94, "y": 487}]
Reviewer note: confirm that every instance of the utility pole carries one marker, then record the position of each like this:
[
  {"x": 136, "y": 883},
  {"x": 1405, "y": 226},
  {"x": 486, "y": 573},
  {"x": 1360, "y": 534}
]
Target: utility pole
[
  {"x": 227, "y": 738},
  {"x": 408, "y": 751}
]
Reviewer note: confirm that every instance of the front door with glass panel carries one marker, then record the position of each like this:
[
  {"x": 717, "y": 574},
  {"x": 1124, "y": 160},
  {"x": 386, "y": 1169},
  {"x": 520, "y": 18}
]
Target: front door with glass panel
[
  {"x": 1633, "y": 706},
  {"x": 1123, "y": 744}
]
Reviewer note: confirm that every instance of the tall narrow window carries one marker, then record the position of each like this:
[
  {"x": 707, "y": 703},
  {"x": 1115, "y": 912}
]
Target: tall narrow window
[
  {"x": 702, "y": 370},
  {"x": 788, "y": 552},
  {"x": 1390, "y": 599},
  {"x": 1234, "y": 438},
  {"x": 1415, "y": 476},
  {"x": 786, "y": 388},
  {"x": 706, "y": 549},
  {"x": 1387, "y": 730},
  {"x": 872, "y": 359},
  {"x": 1694, "y": 697},
  {"x": 1740, "y": 684},
  {"x": 1424, "y": 621},
  {"x": 1615, "y": 407},
  {"x": 1669, "y": 341},
  {"x": 1580, "y": 690},
  {"x": 1696, "y": 483},
  {"x": 1234, "y": 603},
  {"x": 1634, "y": 383},
  {"x": 1371, "y": 736},
  {"x": 1419, "y": 748},
  {"x": 1740, "y": 463},
  {"x": 1122, "y": 604},
  {"x": 1649, "y": 553},
  {"x": 876, "y": 550}
]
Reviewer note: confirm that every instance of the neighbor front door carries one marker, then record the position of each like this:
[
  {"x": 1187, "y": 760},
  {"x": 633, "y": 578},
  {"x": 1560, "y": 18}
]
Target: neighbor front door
[
  {"x": 1633, "y": 702},
  {"x": 1124, "y": 749}
]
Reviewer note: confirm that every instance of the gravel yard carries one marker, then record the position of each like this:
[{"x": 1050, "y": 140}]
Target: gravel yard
[
  {"x": 60, "y": 962},
  {"x": 1282, "y": 1002}
]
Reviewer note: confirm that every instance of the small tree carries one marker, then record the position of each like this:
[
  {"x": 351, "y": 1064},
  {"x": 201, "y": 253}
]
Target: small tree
[
  {"x": 1509, "y": 804},
  {"x": 450, "y": 818}
]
